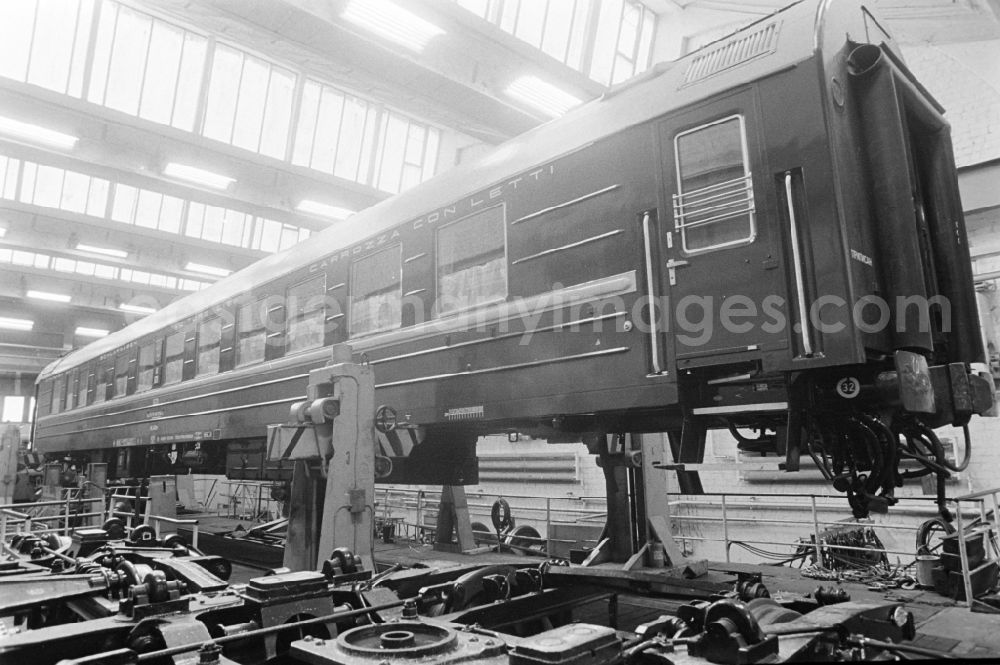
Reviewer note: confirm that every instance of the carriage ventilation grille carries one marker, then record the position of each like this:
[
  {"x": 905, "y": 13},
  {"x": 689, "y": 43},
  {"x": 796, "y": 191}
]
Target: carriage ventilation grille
[{"x": 732, "y": 53}]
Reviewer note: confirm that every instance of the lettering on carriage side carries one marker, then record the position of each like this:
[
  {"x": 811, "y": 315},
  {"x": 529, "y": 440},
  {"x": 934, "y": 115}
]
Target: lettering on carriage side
[
  {"x": 863, "y": 258},
  {"x": 154, "y": 414},
  {"x": 446, "y": 213}
]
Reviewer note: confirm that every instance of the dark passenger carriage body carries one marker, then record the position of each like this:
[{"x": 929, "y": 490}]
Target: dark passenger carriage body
[{"x": 760, "y": 190}]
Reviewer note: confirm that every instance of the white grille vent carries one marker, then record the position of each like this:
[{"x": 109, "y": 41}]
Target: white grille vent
[{"x": 733, "y": 53}]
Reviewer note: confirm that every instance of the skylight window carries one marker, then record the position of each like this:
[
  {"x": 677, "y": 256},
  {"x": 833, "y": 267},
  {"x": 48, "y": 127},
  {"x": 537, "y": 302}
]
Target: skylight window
[
  {"x": 106, "y": 251},
  {"x": 390, "y": 21},
  {"x": 83, "y": 331},
  {"x": 197, "y": 176},
  {"x": 47, "y": 295},
  {"x": 324, "y": 210},
  {"x": 207, "y": 270},
  {"x": 135, "y": 309},
  {"x": 16, "y": 324},
  {"x": 542, "y": 95},
  {"x": 36, "y": 134}
]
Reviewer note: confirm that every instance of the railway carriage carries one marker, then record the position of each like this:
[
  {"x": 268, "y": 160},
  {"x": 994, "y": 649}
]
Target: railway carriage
[{"x": 765, "y": 233}]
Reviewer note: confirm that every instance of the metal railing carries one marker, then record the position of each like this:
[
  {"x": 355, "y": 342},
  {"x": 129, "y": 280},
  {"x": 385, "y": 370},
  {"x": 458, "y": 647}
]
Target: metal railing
[{"x": 991, "y": 533}]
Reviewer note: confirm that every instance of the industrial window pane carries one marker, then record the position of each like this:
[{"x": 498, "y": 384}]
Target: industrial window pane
[
  {"x": 209, "y": 337},
  {"x": 121, "y": 374},
  {"x": 223, "y": 92},
  {"x": 173, "y": 358},
  {"x": 305, "y": 130},
  {"x": 558, "y": 24},
  {"x": 97, "y": 197},
  {"x": 9, "y": 168},
  {"x": 211, "y": 228},
  {"x": 85, "y": 268},
  {"x": 105, "y": 272},
  {"x": 76, "y": 188},
  {"x": 128, "y": 59},
  {"x": 376, "y": 292},
  {"x": 147, "y": 366},
  {"x": 327, "y": 130},
  {"x": 251, "y": 334},
  {"x": 78, "y": 59},
  {"x": 232, "y": 227},
  {"x": 147, "y": 213},
  {"x": 431, "y": 152},
  {"x": 250, "y": 104},
  {"x": 530, "y": 20},
  {"x": 48, "y": 186},
  {"x": 289, "y": 237},
  {"x": 192, "y": 67},
  {"x": 306, "y": 309},
  {"x": 714, "y": 203},
  {"x": 123, "y": 207},
  {"x": 58, "y": 393},
  {"x": 102, "y": 53},
  {"x": 277, "y": 114},
  {"x": 170, "y": 214},
  {"x": 390, "y": 169},
  {"x": 15, "y": 38},
  {"x": 52, "y": 47},
  {"x": 351, "y": 139},
  {"x": 13, "y": 409},
  {"x": 472, "y": 261},
  {"x": 161, "y": 80},
  {"x": 606, "y": 41}
]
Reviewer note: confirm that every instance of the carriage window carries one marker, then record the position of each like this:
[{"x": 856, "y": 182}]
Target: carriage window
[
  {"x": 209, "y": 339},
  {"x": 250, "y": 333},
  {"x": 472, "y": 261},
  {"x": 306, "y": 315},
  {"x": 713, "y": 206},
  {"x": 105, "y": 378},
  {"x": 71, "y": 390},
  {"x": 121, "y": 374},
  {"x": 57, "y": 393},
  {"x": 173, "y": 363},
  {"x": 85, "y": 385},
  {"x": 377, "y": 292},
  {"x": 147, "y": 366}
]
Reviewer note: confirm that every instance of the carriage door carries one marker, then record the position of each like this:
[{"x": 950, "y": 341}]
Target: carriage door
[{"x": 718, "y": 265}]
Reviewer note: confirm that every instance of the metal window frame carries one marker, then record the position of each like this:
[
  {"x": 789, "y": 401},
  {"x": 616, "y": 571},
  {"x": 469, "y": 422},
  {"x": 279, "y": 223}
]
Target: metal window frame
[
  {"x": 437, "y": 264},
  {"x": 747, "y": 175}
]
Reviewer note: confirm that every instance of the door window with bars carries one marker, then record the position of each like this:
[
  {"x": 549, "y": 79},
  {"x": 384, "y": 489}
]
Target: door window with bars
[{"x": 713, "y": 206}]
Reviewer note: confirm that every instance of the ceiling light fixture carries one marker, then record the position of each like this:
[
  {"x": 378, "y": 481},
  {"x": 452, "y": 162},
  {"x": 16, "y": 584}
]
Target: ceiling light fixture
[
  {"x": 390, "y": 21},
  {"x": 36, "y": 134},
  {"x": 207, "y": 270},
  {"x": 542, "y": 95},
  {"x": 135, "y": 309},
  {"x": 16, "y": 324},
  {"x": 324, "y": 210},
  {"x": 90, "y": 332},
  {"x": 197, "y": 176},
  {"x": 46, "y": 295},
  {"x": 106, "y": 251}
]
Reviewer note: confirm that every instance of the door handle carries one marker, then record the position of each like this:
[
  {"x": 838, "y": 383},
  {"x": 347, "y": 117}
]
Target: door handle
[{"x": 672, "y": 266}]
